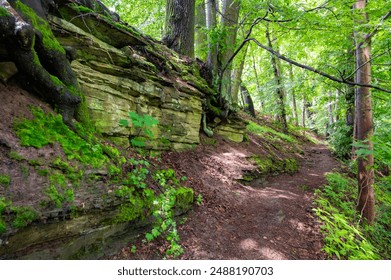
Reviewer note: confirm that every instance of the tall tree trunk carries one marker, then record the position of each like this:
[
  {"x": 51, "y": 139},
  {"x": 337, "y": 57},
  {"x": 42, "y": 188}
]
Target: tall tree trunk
[
  {"x": 229, "y": 22},
  {"x": 247, "y": 101},
  {"x": 295, "y": 115},
  {"x": 238, "y": 77},
  {"x": 336, "y": 107},
  {"x": 200, "y": 34},
  {"x": 211, "y": 22},
  {"x": 257, "y": 81},
  {"x": 279, "y": 85},
  {"x": 330, "y": 108},
  {"x": 179, "y": 26},
  {"x": 364, "y": 121},
  {"x": 303, "y": 112}
]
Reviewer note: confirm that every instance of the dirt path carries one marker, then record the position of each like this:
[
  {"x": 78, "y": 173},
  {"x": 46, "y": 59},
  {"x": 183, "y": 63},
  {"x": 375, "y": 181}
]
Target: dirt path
[{"x": 268, "y": 221}]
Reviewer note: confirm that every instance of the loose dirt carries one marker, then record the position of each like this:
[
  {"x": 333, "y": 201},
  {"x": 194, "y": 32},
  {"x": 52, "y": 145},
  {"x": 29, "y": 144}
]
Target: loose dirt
[{"x": 270, "y": 220}]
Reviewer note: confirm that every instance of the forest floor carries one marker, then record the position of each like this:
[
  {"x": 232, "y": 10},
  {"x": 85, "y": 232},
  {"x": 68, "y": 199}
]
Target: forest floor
[{"x": 270, "y": 219}]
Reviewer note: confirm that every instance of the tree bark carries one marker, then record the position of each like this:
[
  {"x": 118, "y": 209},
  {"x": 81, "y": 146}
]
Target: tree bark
[
  {"x": 364, "y": 121},
  {"x": 303, "y": 113},
  {"x": 294, "y": 106},
  {"x": 238, "y": 78},
  {"x": 211, "y": 21},
  {"x": 229, "y": 22},
  {"x": 259, "y": 89},
  {"x": 247, "y": 101},
  {"x": 200, "y": 35},
  {"x": 46, "y": 69},
  {"x": 179, "y": 26},
  {"x": 279, "y": 85}
]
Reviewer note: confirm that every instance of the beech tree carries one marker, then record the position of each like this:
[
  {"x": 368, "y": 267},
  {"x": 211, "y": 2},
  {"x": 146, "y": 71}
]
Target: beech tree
[
  {"x": 179, "y": 26},
  {"x": 363, "y": 118},
  {"x": 227, "y": 44}
]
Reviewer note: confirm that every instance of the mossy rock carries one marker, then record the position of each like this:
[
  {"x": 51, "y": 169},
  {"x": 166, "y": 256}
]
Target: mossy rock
[
  {"x": 101, "y": 27},
  {"x": 290, "y": 165},
  {"x": 269, "y": 165},
  {"x": 184, "y": 198}
]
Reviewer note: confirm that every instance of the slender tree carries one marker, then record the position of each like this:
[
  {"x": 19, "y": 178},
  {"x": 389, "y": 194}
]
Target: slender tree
[
  {"x": 211, "y": 24},
  {"x": 363, "y": 118},
  {"x": 200, "y": 34},
  {"x": 179, "y": 26},
  {"x": 279, "y": 84},
  {"x": 237, "y": 77},
  {"x": 229, "y": 21},
  {"x": 294, "y": 106}
]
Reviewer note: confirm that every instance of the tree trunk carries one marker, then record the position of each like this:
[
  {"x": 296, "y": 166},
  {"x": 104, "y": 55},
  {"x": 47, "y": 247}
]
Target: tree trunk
[
  {"x": 179, "y": 26},
  {"x": 279, "y": 85},
  {"x": 257, "y": 81},
  {"x": 200, "y": 35},
  {"x": 303, "y": 113},
  {"x": 238, "y": 77},
  {"x": 229, "y": 22},
  {"x": 364, "y": 121},
  {"x": 294, "y": 106},
  {"x": 247, "y": 101},
  {"x": 211, "y": 21},
  {"x": 330, "y": 108}
]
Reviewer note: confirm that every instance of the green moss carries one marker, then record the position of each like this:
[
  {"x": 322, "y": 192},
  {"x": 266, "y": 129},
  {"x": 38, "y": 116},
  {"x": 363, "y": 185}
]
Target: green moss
[
  {"x": 138, "y": 206},
  {"x": 270, "y": 133},
  {"x": 42, "y": 172},
  {"x": 265, "y": 165},
  {"x": 15, "y": 156},
  {"x": 25, "y": 170},
  {"x": 80, "y": 9},
  {"x": 47, "y": 129},
  {"x": 268, "y": 165},
  {"x": 4, "y": 12},
  {"x": 35, "y": 162},
  {"x": 49, "y": 41},
  {"x": 184, "y": 198},
  {"x": 3, "y": 226},
  {"x": 4, "y": 204},
  {"x": 5, "y": 180},
  {"x": 24, "y": 216},
  {"x": 290, "y": 165}
]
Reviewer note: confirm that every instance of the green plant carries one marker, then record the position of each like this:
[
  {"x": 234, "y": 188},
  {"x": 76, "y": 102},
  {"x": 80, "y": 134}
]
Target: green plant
[
  {"x": 4, "y": 204},
  {"x": 47, "y": 129},
  {"x": 42, "y": 171},
  {"x": 165, "y": 223},
  {"x": 35, "y": 162},
  {"x": 5, "y": 180},
  {"x": 268, "y": 132},
  {"x": 142, "y": 126},
  {"x": 344, "y": 238},
  {"x": 24, "y": 216},
  {"x": 25, "y": 170},
  {"x": 15, "y": 155},
  {"x": 199, "y": 199},
  {"x": 341, "y": 139}
]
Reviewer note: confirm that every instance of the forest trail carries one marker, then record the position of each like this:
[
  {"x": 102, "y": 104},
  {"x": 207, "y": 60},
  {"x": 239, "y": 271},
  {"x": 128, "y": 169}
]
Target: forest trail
[{"x": 270, "y": 220}]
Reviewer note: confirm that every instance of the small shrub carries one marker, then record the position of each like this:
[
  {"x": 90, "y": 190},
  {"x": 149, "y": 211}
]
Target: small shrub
[{"x": 341, "y": 139}]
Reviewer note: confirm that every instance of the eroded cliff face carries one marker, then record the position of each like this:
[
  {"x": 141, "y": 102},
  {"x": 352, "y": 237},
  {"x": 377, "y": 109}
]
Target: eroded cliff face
[{"x": 146, "y": 78}]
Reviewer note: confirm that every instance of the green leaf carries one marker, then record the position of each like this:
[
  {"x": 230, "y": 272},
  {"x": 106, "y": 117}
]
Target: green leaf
[
  {"x": 149, "y": 237},
  {"x": 123, "y": 122}
]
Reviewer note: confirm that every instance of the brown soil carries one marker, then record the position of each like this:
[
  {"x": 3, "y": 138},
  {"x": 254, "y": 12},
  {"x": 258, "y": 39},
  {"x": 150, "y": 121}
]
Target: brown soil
[{"x": 270, "y": 220}]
